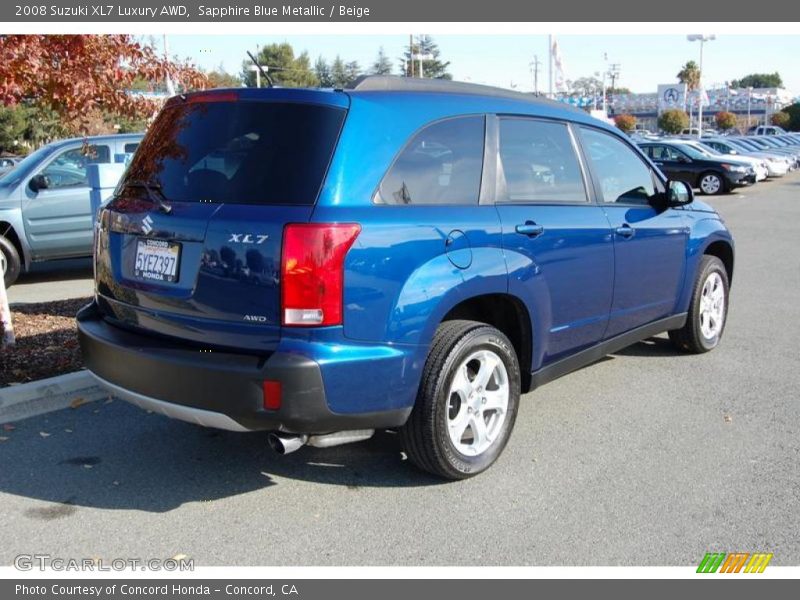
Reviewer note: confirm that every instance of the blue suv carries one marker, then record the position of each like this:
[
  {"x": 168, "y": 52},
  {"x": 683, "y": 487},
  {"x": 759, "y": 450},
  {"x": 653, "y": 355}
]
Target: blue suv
[{"x": 405, "y": 254}]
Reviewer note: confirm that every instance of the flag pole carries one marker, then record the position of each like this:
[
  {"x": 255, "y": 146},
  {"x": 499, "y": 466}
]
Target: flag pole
[{"x": 550, "y": 65}]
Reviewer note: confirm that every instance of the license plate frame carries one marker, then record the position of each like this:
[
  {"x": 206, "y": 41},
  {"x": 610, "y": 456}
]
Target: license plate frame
[{"x": 161, "y": 260}]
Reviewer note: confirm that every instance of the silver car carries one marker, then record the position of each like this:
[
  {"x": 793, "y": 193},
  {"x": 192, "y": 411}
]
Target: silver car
[{"x": 45, "y": 206}]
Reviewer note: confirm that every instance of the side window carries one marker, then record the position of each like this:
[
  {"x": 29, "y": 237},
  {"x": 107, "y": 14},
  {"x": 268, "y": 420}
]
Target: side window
[
  {"x": 624, "y": 177},
  {"x": 441, "y": 164},
  {"x": 130, "y": 148},
  {"x": 539, "y": 162},
  {"x": 68, "y": 169}
]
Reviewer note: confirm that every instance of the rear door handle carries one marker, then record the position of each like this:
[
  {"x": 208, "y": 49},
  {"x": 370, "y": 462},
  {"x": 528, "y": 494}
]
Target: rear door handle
[
  {"x": 626, "y": 231},
  {"x": 530, "y": 229}
]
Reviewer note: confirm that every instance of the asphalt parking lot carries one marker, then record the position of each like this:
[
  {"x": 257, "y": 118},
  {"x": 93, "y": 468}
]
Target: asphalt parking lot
[{"x": 648, "y": 457}]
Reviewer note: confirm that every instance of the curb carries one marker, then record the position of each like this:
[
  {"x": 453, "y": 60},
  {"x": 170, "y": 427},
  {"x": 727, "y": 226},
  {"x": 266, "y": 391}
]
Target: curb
[{"x": 47, "y": 395}]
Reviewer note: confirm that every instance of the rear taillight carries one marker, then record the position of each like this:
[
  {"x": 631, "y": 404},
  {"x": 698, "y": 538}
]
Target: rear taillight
[{"x": 312, "y": 272}]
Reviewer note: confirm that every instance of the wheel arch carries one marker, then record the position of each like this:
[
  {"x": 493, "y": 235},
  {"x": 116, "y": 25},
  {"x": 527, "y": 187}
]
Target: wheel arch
[
  {"x": 508, "y": 314},
  {"x": 723, "y": 250},
  {"x": 8, "y": 231}
]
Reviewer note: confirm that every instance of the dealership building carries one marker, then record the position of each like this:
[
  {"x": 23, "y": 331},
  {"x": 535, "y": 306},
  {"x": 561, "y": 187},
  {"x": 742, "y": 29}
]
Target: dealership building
[{"x": 756, "y": 103}]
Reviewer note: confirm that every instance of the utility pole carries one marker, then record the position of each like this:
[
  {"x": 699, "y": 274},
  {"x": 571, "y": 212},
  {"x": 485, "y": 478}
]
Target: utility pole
[
  {"x": 535, "y": 68},
  {"x": 613, "y": 74}
]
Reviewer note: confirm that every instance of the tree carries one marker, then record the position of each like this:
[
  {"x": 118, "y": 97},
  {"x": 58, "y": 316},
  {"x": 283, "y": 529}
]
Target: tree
[
  {"x": 323, "y": 72},
  {"x": 617, "y": 91},
  {"x": 725, "y": 120},
  {"x": 759, "y": 80},
  {"x": 690, "y": 75},
  {"x": 382, "y": 64},
  {"x": 673, "y": 121},
  {"x": 77, "y": 75},
  {"x": 283, "y": 67},
  {"x": 781, "y": 119},
  {"x": 12, "y": 128},
  {"x": 626, "y": 123},
  {"x": 432, "y": 65},
  {"x": 586, "y": 86},
  {"x": 220, "y": 78},
  {"x": 794, "y": 116}
]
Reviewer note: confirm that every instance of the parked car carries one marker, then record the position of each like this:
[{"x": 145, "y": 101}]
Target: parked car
[
  {"x": 769, "y": 144},
  {"x": 7, "y": 163},
  {"x": 777, "y": 165},
  {"x": 759, "y": 165},
  {"x": 405, "y": 254},
  {"x": 766, "y": 130},
  {"x": 682, "y": 162},
  {"x": 45, "y": 210}
]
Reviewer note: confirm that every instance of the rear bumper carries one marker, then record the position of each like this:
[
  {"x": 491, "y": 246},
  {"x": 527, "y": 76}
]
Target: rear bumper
[{"x": 216, "y": 389}]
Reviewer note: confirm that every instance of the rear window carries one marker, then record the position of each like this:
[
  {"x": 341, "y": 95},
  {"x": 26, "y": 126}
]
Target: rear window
[{"x": 238, "y": 152}]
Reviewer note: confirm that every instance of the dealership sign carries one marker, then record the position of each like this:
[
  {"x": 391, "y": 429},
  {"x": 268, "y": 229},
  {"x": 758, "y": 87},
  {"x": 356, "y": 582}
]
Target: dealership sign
[{"x": 671, "y": 95}]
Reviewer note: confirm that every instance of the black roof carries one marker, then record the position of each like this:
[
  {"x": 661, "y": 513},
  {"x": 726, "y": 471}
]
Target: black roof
[{"x": 393, "y": 83}]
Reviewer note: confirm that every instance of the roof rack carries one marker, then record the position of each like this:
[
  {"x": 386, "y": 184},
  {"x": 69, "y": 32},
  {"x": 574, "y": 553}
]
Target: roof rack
[{"x": 393, "y": 83}]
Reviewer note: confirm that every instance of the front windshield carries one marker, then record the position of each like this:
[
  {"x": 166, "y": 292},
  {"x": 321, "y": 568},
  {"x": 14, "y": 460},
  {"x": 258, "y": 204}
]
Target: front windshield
[{"x": 19, "y": 172}]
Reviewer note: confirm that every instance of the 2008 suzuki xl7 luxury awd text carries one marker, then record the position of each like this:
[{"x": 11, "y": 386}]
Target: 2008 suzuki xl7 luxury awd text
[{"x": 407, "y": 254}]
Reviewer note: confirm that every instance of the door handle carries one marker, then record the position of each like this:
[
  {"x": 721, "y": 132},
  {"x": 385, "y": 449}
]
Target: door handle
[
  {"x": 530, "y": 229},
  {"x": 626, "y": 231}
]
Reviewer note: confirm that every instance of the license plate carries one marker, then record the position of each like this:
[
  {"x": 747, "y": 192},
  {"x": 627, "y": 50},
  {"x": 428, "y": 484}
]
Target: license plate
[{"x": 157, "y": 260}]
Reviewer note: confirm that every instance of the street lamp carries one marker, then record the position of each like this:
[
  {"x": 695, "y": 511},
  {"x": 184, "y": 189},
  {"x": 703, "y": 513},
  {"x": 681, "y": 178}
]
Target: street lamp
[
  {"x": 702, "y": 38},
  {"x": 749, "y": 99}
]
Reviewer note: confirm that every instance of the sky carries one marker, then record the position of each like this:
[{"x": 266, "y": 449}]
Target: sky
[{"x": 505, "y": 60}]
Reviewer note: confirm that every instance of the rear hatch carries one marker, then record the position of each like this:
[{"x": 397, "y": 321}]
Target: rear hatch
[{"x": 190, "y": 246}]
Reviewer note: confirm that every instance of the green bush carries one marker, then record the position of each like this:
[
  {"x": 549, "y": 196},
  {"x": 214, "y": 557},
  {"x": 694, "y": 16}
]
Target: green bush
[
  {"x": 673, "y": 121},
  {"x": 626, "y": 123}
]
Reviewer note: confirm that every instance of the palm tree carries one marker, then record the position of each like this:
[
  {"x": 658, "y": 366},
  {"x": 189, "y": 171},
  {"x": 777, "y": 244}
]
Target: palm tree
[{"x": 690, "y": 75}]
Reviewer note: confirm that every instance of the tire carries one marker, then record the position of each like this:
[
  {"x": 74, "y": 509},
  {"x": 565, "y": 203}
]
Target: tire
[
  {"x": 10, "y": 265},
  {"x": 705, "y": 324},
  {"x": 712, "y": 183},
  {"x": 451, "y": 397}
]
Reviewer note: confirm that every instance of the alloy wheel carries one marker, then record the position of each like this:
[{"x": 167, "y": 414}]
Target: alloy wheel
[
  {"x": 710, "y": 184},
  {"x": 478, "y": 402},
  {"x": 712, "y": 306}
]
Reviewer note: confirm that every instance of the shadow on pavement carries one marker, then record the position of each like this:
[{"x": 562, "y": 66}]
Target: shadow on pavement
[
  {"x": 58, "y": 270},
  {"x": 116, "y": 456},
  {"x": 657, "y": 346}
]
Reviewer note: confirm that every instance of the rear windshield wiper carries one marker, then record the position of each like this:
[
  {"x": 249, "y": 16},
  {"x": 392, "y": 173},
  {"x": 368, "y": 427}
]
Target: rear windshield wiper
[{"x": 154, "y": 192}]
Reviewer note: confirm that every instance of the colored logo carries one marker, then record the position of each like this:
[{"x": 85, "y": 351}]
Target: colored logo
[{"x": 735, "y": 562}]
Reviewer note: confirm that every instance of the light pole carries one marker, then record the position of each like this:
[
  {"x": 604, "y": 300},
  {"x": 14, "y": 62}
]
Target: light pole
[
  {"x": 702, "y": 38},
  {"x": 749, "y": 98}
]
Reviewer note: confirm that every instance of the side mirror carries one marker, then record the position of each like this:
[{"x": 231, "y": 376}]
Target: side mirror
[
  {"x": 679, "y": 193},
  {"x": 683, "y": 159},
  {"x": 39, "y": 182},
  {"x": 733, "y": 152}
]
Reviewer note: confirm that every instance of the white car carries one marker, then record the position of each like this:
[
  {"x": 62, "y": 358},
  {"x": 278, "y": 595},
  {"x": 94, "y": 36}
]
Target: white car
[{"x": 777, "y": 165}]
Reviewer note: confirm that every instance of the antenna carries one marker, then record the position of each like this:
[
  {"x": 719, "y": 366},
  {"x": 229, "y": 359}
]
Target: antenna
[{"x": 261, "y": 69}]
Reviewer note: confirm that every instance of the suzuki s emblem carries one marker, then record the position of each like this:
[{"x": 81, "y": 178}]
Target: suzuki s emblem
[
  {"x": 147, "y": 225},
  {"x": 247, "y": 238}
]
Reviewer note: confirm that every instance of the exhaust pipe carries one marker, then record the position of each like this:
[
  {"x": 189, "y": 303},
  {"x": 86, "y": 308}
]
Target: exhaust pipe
[
  {"x": 286, "y": 444},
  {"x": 340, "y": 437}
]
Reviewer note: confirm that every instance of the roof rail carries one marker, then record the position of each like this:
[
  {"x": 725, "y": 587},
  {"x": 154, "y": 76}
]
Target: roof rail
[{"x": 393, "y": 83}]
